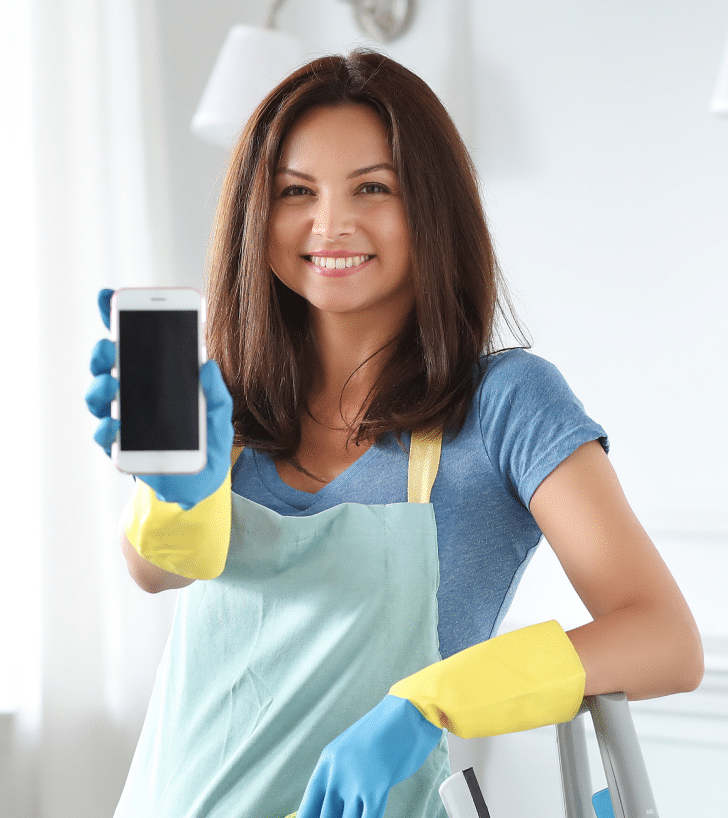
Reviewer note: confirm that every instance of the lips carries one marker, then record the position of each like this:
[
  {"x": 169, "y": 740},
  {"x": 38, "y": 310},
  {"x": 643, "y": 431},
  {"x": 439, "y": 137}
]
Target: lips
[{"x": 338, "y": 261}]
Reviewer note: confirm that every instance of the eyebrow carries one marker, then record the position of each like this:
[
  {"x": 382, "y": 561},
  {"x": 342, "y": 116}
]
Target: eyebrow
[{"x": 352, "y": 175}]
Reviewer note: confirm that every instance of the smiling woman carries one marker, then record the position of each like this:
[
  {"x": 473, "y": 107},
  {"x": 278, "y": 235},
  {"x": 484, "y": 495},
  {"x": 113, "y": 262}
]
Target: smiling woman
[{"x": 396, "y": 474}]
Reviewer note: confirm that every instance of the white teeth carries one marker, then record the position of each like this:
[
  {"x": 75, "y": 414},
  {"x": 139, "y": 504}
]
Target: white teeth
[{"x": 338, "y": 263}]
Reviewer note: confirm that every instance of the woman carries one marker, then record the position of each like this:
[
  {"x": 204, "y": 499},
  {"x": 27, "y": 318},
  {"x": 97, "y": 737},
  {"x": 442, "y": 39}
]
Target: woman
[{"x": 330, "y": 631}]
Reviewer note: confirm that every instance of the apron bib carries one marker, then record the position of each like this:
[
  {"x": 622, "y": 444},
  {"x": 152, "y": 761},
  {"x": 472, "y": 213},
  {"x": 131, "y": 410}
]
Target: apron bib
[{"x": 312, "y": 621}]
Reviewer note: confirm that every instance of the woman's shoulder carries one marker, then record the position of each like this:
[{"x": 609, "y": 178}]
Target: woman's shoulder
[
  {"x": 528, "y": 417},
  {"x": 515, "y": 368},
  {"x": 517, "y": 384}
]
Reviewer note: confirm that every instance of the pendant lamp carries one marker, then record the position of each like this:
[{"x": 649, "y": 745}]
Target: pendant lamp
[
  {"x": 254, "y": 59},
  {"x": 251, "y": 63}
]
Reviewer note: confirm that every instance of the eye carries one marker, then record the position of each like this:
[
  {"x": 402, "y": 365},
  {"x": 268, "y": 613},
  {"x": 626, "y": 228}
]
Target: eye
[
  {"x": 294, "y": 190},
  {"x": 374, "y": 187}
]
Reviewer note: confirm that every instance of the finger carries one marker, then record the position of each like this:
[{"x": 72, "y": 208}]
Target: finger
[
  {"x": 102, "y": 391},
  {"x": 336, "y": 806},
  {"x": 358, "y": 808},
  {"x": 375, "y": 807},
  {"x": 103, "y": 357},
  {"x": 105, "y": 433},
  {"x": 104, "y": 302},
  {"x": 313, "y": 798}
]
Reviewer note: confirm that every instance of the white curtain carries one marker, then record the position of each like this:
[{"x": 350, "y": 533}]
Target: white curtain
[{"x": 87, "y": 209}]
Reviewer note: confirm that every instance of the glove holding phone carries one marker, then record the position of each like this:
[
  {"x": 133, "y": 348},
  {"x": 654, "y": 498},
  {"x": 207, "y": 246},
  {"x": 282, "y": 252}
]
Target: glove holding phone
[{"x": 179, "y": 522}]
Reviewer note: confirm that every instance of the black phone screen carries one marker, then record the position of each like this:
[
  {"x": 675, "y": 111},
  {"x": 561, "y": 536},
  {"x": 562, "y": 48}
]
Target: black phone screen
[{"x": 158, "y": 380}]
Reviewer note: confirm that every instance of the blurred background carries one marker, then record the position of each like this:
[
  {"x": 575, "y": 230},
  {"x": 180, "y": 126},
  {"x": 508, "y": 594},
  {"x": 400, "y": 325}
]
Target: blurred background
[{"x": 605, "y": 177}]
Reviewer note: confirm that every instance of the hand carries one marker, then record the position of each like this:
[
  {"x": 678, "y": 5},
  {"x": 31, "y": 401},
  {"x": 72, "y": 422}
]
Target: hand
[
  {"x": 185, "y": 489},
  {"x": 356, "y": 771}
]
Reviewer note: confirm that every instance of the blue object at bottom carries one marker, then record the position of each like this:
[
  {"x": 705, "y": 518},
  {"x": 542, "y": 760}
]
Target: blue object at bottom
[{"x": 602, "y": 804}]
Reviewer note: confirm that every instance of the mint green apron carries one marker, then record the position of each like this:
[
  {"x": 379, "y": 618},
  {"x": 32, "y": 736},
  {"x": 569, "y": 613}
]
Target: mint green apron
[{"x": 310, "y": 624}]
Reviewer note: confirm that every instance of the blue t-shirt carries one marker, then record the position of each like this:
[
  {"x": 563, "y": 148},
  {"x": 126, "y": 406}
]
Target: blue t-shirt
[{"x": 524, "y": 420}]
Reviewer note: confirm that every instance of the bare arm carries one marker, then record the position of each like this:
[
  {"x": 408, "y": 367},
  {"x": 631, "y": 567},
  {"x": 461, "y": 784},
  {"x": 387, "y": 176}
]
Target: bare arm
[
  {"x": 643, "y": 640},
  {"x": 148, "y": 577}
]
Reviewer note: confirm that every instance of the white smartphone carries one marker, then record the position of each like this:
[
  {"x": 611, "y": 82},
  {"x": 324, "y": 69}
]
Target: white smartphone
[{"x": 160, "y": 347}]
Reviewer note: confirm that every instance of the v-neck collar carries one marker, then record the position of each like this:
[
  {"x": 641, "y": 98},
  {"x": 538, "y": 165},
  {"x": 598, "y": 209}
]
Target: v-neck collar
[{"x": 297, "y": 498}]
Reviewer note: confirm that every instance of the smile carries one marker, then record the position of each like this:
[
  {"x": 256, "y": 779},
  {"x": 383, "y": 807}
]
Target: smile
[{"x": 339, "y": 263}]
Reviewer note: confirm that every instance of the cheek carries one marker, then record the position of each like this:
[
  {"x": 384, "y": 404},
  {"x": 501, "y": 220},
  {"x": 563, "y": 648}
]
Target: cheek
[
  {"x": 396, "y": 233},
  {"x": 282, "y": 237}
]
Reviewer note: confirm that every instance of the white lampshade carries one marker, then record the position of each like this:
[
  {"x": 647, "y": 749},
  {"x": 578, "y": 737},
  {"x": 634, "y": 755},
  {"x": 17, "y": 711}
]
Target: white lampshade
[
  {"x": 720, "y": 96},
  {"x": 251, "y": 63}
]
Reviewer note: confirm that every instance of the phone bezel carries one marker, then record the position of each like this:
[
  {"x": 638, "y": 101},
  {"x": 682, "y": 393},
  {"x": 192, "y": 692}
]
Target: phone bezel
[{"x": 160, "y": 461}]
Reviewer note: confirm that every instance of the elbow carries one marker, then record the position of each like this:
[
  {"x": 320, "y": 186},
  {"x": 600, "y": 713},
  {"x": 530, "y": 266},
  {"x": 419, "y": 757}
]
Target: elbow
[
  {"x": 681, "y": 653},
  {"x": 694, "y": 665},
  {"x": 690, "y": 679},
  {"x": 675, "y": 662},
  {"x": 695, "y": 680},
  {"x": 155, "y": 580},
  {"x": 148, "y": 587},
  {"x": 688, "y": 663},
  {"x": 144, "y": 580}
]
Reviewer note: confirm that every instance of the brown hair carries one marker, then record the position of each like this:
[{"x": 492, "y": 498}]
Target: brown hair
[{"x": 257, "y": 327}]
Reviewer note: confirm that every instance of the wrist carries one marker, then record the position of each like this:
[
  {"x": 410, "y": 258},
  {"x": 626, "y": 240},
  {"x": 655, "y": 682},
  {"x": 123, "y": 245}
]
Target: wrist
[{"x": 523, "y": 679}]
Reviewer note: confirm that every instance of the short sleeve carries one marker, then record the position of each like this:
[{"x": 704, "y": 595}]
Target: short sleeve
[{"x": 530, "y": 420}]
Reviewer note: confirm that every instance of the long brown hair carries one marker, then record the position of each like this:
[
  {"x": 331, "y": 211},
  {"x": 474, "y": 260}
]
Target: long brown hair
[{"x": 257, "y": 327}]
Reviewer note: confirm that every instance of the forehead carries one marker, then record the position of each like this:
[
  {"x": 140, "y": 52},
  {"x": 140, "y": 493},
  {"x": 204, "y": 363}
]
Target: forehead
[{"x": 345, "y": 134}]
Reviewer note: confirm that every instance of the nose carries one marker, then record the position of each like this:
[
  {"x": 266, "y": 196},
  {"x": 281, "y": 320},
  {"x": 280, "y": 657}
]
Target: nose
[{"x": 333, "y": 218}]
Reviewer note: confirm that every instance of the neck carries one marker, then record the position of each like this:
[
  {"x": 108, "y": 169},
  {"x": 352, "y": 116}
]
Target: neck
[{"x": 344, "y": 370}]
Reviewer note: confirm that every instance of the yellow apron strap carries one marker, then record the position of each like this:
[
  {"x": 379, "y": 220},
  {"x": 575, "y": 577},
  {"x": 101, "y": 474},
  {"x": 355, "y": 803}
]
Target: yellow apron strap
[
  {"x": 424, "y": 461},
  {"x": 235, "y": 454}
]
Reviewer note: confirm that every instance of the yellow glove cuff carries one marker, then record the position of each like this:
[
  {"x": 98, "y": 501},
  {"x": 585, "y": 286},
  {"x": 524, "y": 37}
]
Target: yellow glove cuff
[
  {"x": 524, "y": 679},
  {"x": 192, "y": 544}
]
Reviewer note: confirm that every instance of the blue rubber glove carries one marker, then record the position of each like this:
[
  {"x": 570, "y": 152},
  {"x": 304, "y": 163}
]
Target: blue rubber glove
[
  {"x": 185, "y": 489},
  {"x": 356, "y": 770}
]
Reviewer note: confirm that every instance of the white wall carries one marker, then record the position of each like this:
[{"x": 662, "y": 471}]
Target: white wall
[{"x": 606, "y": 182}]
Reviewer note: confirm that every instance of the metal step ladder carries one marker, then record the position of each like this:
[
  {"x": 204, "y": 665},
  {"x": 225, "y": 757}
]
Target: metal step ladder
[{"x": 628, "y": 793}]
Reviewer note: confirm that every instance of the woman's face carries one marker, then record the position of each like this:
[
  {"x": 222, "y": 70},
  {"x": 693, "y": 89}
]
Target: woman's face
[{"x": 338, "y": 233}]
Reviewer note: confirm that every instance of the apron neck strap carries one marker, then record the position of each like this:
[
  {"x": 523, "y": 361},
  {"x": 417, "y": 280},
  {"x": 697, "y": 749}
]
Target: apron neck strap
[{"x": 424, "y": 460}]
